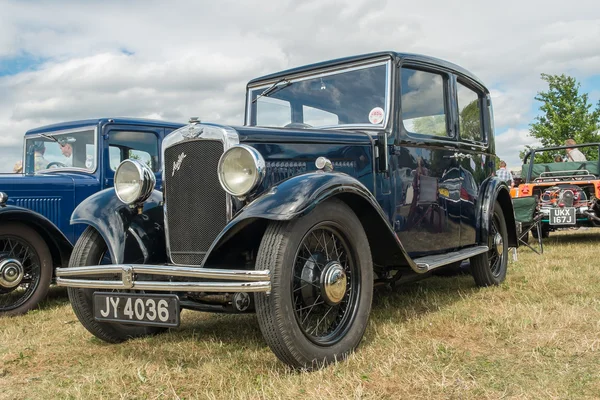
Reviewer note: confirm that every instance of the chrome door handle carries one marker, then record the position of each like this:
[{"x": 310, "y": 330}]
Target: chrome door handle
[{"x": 461, "y": 156}]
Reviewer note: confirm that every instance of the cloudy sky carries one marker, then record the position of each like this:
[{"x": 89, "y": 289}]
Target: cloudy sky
[{"x": 65, "y": 60}]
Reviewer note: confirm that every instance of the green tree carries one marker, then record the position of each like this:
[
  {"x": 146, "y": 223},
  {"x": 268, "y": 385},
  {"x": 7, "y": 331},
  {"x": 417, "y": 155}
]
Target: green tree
[{"x": 565, "y": 113}]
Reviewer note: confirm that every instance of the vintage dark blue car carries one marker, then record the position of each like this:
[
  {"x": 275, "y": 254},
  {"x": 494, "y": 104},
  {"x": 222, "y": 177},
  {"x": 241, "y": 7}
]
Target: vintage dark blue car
[
  {"x": 64, "y": 164},
  {"x": 363, "y": 170}
]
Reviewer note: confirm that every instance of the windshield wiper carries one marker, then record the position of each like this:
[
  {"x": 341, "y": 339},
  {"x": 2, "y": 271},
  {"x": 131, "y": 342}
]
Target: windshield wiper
[
  {"x": 273, "y": 88},
  {"x": 61, "y": 144}
]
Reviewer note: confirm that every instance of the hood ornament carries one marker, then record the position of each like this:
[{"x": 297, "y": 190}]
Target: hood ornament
[
  {"x": 177, "y": 164},
  {"x": 192, "y": 131}
]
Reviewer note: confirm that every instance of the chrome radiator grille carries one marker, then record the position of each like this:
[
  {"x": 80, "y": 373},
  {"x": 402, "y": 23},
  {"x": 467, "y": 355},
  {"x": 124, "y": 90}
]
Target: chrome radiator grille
[{"x": 196, "y": 204}]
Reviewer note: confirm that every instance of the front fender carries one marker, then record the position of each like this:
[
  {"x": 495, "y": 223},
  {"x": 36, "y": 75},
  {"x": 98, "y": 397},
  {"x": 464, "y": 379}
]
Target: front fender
[
  {"x": 298, "y": 195},
  {"x": 57, "y": 242},
  {"x": 116, "y": 222},
  {"x": 493, "y": 189}
]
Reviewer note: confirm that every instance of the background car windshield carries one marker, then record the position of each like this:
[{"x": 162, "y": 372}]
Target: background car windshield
[
  {"x": 357, "y": 96},
  {"x": 73, "y": 150}
]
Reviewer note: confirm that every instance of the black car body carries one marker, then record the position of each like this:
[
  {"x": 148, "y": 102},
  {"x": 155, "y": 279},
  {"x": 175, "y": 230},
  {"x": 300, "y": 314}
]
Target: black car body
[{"x": 339, "y": 178}]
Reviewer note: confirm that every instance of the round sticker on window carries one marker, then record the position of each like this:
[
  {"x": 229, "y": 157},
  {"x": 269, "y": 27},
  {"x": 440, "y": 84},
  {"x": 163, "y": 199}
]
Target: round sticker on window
[
  {"x": 89, "y": 162},
  {"x": 376, "y": 115}
]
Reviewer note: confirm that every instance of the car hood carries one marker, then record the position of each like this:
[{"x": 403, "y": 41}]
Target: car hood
[{"x": 40, "y": 184}]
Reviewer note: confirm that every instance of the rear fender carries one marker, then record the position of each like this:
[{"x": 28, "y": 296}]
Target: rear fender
[
  {"x": 58, "y": 244},
  {"x": 299, "y": 195},
  {"x": 493, "y": 189},
  {"x": 120, "y": 226}
]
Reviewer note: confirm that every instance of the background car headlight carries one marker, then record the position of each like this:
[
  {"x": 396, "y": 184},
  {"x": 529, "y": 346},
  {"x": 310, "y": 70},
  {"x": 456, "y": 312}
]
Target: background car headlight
[
  {"x": 241, "y": 169},
  {"x": 134, "y": 181}
]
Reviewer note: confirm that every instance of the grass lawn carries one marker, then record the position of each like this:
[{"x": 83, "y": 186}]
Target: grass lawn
[{"x": 535, "y": 337}]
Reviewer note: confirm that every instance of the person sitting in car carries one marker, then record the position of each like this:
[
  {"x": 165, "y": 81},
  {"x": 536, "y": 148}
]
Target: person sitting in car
[
  {"x": 40, "y": 162},
  {"x": 574, "y": 154}
]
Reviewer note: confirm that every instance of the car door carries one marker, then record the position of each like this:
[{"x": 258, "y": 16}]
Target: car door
[
  {"x": 132, "y": 142},
  {"x": 474, "y": 125},
  {"x": 427, "y": 205}
]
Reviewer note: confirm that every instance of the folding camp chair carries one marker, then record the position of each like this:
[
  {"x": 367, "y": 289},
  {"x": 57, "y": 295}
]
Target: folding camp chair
[{"x": 528, "y": 218}]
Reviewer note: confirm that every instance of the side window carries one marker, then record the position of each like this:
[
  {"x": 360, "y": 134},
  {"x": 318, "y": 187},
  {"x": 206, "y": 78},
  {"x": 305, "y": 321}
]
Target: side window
[
  {"x": 142, "y": 146},
  {"x": 423, "y": 105},
  {"x": 317, "y": 117},
  {"x": 469, "y": 112},
  {"x": 273, "y": 112}
]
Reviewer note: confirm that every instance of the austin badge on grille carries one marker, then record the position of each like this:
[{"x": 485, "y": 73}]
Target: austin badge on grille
[{"x": 177, "y": 164}]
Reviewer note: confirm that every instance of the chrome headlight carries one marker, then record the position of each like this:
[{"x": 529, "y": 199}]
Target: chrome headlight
[
  {"x": 134, "y": 182},
  {"x": 241, "y": 169}
]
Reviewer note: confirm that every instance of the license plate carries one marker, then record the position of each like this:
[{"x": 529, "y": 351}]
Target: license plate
[
  {"x": 562, "y": 216},
  {"x": 137, "y": 309}
]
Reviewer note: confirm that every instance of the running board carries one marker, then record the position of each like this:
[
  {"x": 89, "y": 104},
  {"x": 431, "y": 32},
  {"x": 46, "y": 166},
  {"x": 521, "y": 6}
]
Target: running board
[{"x": 425, "y": 264}]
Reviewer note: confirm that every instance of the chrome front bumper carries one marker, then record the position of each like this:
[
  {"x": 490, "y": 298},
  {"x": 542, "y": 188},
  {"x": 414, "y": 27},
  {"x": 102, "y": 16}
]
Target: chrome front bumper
[{"x": 221, "y": 280}]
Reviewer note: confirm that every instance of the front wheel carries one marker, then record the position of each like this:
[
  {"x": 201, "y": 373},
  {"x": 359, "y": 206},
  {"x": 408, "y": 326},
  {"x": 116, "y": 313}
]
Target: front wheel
[
  {"x": 489, "y": 268},
  {"x": 91, "y": 249},
  {"x": 25, "y": 269},
  {"x": 322, "y": 286}
]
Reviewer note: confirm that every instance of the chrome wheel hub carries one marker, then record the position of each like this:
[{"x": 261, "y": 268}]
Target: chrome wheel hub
[
  {"x": 333, "y": 282},
  {"x": 11, "y": 273},
  {"x": 499, "y": 243}
]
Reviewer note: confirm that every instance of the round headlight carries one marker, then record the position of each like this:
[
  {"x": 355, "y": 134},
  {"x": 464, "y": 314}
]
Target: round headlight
[
  {"x": 241, "y": 169},
  {"x": 134, "y": 181}
]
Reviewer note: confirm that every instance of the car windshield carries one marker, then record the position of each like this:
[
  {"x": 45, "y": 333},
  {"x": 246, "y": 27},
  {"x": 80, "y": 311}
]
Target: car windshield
[
  {"x": 70, "y": 150},
  {"x": 349, "y": 97}
]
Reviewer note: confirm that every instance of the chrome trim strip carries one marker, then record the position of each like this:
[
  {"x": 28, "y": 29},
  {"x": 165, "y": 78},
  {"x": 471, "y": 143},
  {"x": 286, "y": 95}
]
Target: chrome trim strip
[
  {"x": 244, "y": 280},
  {"x": 319, "y": 73},
  {"x": 233, "y": 287},
  {"x": 167, "y": 270},
  {"x": 63, "y": 132},
  {"x": 225, "y": 134}
]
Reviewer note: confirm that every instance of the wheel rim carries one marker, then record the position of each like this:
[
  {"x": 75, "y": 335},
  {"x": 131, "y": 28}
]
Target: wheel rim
[
  {"x": 20, "y": 271},
  {"x": 496, "y": 252},
  {"x": 325, "y": 284}
]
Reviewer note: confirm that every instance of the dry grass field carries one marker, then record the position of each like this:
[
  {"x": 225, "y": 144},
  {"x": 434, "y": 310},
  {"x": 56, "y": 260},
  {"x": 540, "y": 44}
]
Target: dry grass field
[{"x": 535, "y": 337}]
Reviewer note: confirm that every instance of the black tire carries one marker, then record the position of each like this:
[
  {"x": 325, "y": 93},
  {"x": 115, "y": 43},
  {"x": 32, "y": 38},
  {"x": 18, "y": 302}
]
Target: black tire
[
  {"x": 91, "y": 249},
  {"x": 490, "y": 267},
  {"x": 290, "y": 338},
  {"x": 20, "y": 242},
  {"x": 545, "y": 233}
]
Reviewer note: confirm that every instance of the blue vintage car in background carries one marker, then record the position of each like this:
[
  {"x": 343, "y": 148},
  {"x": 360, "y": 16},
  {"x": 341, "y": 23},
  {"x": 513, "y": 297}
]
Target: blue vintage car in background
[{"x": 63, "y": 165}]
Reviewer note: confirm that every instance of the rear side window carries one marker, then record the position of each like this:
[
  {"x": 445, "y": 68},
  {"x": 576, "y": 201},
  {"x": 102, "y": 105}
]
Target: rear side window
[
  {"x": 423, "y": 102},
  {"x": 142, "y": 146},
  {"x": 469, "y": 112}
]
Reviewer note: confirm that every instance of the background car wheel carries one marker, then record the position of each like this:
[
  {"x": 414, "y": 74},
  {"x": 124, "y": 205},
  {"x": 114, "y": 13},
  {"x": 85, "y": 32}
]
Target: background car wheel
[
  {"x": 91, "y": 249},
  {"x": 545, "y": 233},
  {"x": 25, "y": 269},
  {"x": 322, "y": 286},
  {"x": 490, "y": 268}
]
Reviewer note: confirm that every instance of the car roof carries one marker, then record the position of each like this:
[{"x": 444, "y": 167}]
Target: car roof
[
  {"x": 394, "y": 55},
  {"x": 101, "y": 121}
]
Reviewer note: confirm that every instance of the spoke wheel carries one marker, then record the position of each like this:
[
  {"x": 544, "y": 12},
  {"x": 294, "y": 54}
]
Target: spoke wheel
[
  {"x": 321, "y": 286},
  {"x": 490, "y": 268},
  {"x": 25, "y": 269},
  {"x": 325, "y": 284}
]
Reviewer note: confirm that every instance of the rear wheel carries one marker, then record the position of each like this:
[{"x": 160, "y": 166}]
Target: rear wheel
[
  {"x": 25, "y": 269},
  {"x": 490, "y": 267},
  {"x": 322, "y": 286},
  {"x": 91, "y": 249}
]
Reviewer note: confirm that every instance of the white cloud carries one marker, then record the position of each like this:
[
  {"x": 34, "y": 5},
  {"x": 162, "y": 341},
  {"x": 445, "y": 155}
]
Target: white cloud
[
  {"x": 512, "y": 141},
  {"x": 149, "y": 58}
]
